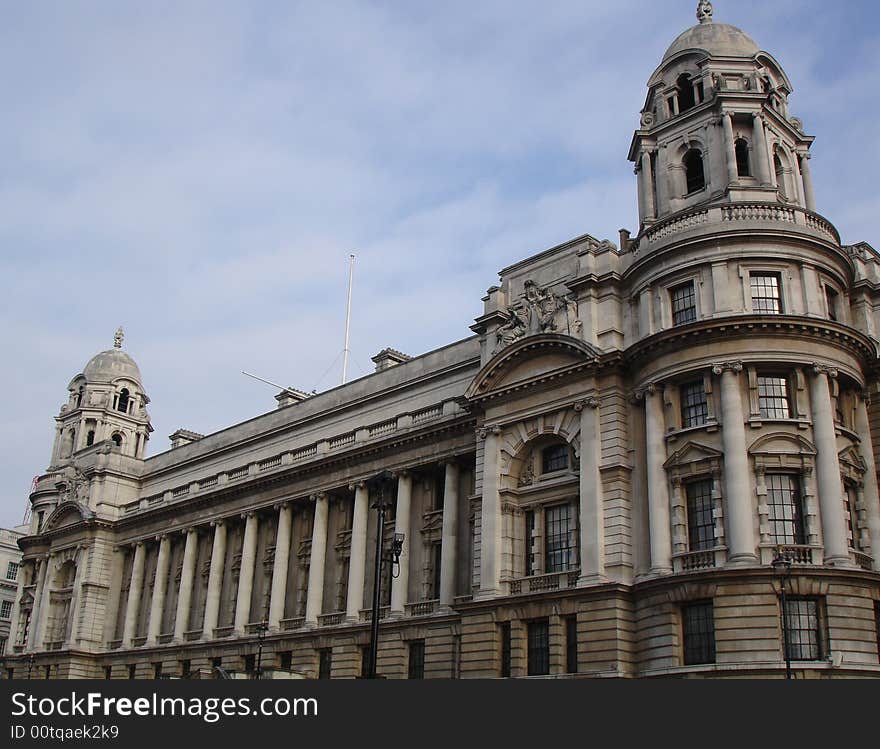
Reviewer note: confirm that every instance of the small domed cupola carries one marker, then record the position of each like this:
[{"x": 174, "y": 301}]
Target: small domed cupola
[
  {"x": 106, "y": 403},
  {"x": 715, "y": 127}
]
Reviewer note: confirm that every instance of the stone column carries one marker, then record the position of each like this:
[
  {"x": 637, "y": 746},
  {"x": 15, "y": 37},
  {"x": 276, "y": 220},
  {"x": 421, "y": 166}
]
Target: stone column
[
  {"x": 134, "y": 595},
  {"x": 729, "y": 148},
  {"x": 43, "y": 619},
  {"x": 490, "y": 517},
  {"x": 215, "y": 579},
  {"x": 658, "y": 486},
  {"x": 187, "y": 575},
  {"x": 592, "y": 516},
  {"x": 828, "y": 469},
  {"x": 315, "y": 594},
  {"x": 400, "y": 584},
  {"x": 639, "y": 171},
  {"x": 809, "y": 194},
  {"x": 763, "y": 168},
  {"x": 279, "y": 566},
  {"x": 157, "y": 604},
  {"x": 871, "y": 494},
  {"x": 246, "y": 573},
  {"x": 740, "y": 519},
  {"x": 449, "y": 537},
  {"x": 33, "y": 626},
  {"x": 358, "y": 557}
]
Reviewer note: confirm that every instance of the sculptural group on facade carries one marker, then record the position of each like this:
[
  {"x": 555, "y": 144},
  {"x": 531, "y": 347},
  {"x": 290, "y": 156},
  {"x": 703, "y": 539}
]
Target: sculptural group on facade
[{"x": 541, "y": 311}]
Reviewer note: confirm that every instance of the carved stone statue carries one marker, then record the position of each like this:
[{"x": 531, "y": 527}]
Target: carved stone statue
[
  {"x": 704, "y": 11},
  {"x": 540, "y": 311}
]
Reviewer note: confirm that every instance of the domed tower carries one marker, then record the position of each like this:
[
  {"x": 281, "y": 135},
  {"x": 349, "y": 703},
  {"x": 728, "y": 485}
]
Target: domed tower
[
  {"x": 107, "y": 403},
  {"x": 716, "y": 127},
  {"x": 752, "y": 347}
]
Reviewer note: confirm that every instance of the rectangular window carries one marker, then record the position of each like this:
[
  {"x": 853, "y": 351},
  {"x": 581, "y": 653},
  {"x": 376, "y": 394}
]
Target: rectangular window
[
  {"x": 571, "y": 645},
  {"x": 694, "y": 405},
  {"x": 250, "y": 664},
  {"x": 684, "y": 304},
  {"x": 554, "y": 458},
  {"x": 185, "y": 667},
  {"x": 12, "y": 571},
  {"x": 700, "y": 517},
  {"x": 286, "y": 660},
  {"x": 437, "y": 559},
  {"x": 157, "y": 670},
  {"x": 852, "y": 520},
  {"x": 698, "y": 633},
  {"x": 108, "y": 672},
  {"x": 539, "y": 647},
  {"x": 785, "y": 509},
  {"x": 530, "y": 543},
  {"x": 505, "y": 649},
  {"x": 417, "y": 659},
  {"x": 804, "y": 620},
  {"x": 2, "y": 645},
  {"x": 325, "y": 663},
  {"x": 831, "y": 302},
  {"x": 766, "y": 293},
  {"x": 365, "y": 660},
  {"x": 6, "y": 610},
  {"x": 559, "y": 547},
  {"x": 773, "y": 401}
]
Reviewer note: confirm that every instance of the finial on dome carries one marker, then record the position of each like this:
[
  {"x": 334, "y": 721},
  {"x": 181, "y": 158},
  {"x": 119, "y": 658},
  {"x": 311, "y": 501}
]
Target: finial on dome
[
  {"x": 117, "y": 338},
  {"x": 704, "y": 11}
]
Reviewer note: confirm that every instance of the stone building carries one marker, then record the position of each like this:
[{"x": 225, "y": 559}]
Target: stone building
[
  {"x": 10, "y": 563},
  {"x": 596, "y": 483}
]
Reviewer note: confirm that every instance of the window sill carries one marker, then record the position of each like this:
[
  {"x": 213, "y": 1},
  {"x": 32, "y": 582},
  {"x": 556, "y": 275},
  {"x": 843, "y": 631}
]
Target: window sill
[
  {"x": 675, "y": 434},
  {"x": 756, "y": 422}
]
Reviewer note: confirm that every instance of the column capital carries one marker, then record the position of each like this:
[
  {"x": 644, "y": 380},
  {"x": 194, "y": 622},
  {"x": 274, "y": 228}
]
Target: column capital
[
  {"x": 281, "y": 505},
  {"x": 641, "y": 393},
  {"x": 136, "y": 544},
  {"x": 161, "y": 537},
  {"x": 317, "y": 496},
  {"x": 756, "y": 116},
  {"x": 729, "y": 366},
  {"x": 248, "y": 514},
  {"x": 485, "y": 431},
  {"x": 825, "y": 369},
  {"x": 591, "y": 402},
  {"x": 218, "y": 522},
  {"x": 865, "y": 396},
  {"x": 355, "y": 485}
]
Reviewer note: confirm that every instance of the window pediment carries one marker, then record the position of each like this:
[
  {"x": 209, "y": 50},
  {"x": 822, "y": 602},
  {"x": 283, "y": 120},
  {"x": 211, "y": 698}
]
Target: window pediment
[{"x": 691, "y": 453}]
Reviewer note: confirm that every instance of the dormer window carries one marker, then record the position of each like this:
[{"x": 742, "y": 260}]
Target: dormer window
[
  {"x": 554, "y": 458},
  {"x": 122, "y": 401},
  {"x": 694, "y": 174},
  {"x": 743, "y": 167}
]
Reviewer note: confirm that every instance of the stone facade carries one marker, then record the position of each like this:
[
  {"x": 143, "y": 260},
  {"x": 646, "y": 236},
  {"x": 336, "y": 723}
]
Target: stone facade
[
  {"x": 596, "y": 483},
  {"x": 10, "y": 564}
]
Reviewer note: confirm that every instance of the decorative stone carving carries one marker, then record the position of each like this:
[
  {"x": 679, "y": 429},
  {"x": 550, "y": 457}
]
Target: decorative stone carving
[
  {"x": 647, "y": 120},
  {"x": 825, "y": 369},
  {"x": 540, "y": 311},
  {"x": 704, "y": 11},
  {"x": 733, "y": 366}
]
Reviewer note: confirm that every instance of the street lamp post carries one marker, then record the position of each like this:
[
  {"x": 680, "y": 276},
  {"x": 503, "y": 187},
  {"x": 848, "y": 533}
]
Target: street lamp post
[
  {"x": 382, "y": 501},
  {"x": 261, "y": 635},
  {"x": 782, "y": 565}
]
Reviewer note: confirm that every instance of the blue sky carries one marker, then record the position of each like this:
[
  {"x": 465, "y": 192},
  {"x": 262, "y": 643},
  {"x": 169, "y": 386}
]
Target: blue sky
[{"x": 199, "y": 172}]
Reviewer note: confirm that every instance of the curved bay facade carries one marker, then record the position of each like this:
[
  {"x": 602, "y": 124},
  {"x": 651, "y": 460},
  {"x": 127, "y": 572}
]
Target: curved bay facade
[{"x": 597, "y": 482}]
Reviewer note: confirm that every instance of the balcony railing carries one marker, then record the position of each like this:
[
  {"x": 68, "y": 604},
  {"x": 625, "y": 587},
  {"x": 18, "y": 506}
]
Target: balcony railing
[
  {"x": 295, "y": 622},
  {"x": 541, "y": 583},
  {"x": 697, "y": 560},
  {"x": 865, "y": 561},
  {"x": 331, "y": 620},
  {"x": 421, "y": 608},
  {"x": 367, "y": 614},
  {"x": 797, "y": 553}
]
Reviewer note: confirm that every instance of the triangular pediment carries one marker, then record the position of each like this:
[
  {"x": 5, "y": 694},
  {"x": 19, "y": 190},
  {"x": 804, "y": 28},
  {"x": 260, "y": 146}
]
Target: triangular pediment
[
  {"x": 531, "y": 361},
  {"x": 693, "y": 452},
  {"x": 852, "y": 457}
]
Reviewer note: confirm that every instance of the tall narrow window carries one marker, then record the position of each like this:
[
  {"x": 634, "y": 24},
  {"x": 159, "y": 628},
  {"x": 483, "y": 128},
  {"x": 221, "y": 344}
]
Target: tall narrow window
[
  {"x": 531, "y": 563},
  {"x": 780, "y": 175},
  {"x": 437, "y": 561},
  {"x": 686, "y": 97},
  {"x": 698, "y": 633},
  {"x": 571, "y": 645},
  {"x": 831, "y": 302},
  {"x": 559, "y": 547},
  {"x": 90, "y": 438},
  {"x": 805, "y": 621},
  {"x": 743, "y": 167},
  {"x": 773, "y": 400},
  {"x": 852, "y": 518},
  {"x": 693, "y": 169},
  {"x": 684, "y": 304},
  {"x": 694, "y": 405},
  {"x": 700, "y": 517},
  {"x": 325, "y": 663},
  {"x": 766, "y": 293},
  {"x": 122, "y": 402},
  {"x": 12, "y": 570},
  {"x": 785, "y": 509},
  {"x": 504, "y": 628},
  {"x": 539, "y": 647},
  {"x": 416, "y": 669}
]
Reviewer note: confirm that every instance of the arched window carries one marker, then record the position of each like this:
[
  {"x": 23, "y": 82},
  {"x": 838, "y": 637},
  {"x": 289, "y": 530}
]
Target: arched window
[
  {"x": 686, "y": 98},
  {"x": 117, "y": 439},
  {"x": 743, "y": 167},
  {"x": 122, "y": 403},
  {"x": 693, "y": 167},
  {"x": 780, "y": 174}
]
